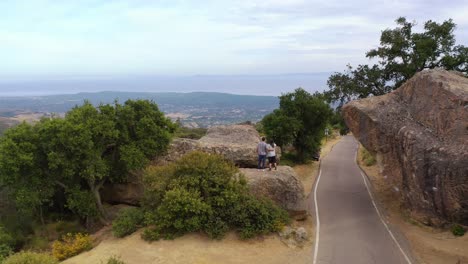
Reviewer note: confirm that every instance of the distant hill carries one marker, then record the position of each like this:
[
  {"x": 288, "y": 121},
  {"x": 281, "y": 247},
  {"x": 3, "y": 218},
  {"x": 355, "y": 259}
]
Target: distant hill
[{"x": 194, "y": 109}]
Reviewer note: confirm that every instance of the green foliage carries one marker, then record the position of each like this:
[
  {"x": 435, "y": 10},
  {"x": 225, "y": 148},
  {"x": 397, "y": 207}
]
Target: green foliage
[
  {"x": 14, "y": 223},
  {"x": 62, "y": 227},
  {"x": 6, "y": 243},
  {"x": 26, "y": 257},
  {"x": 82, "y": 203},
  {"x": 75, "y": 155},
  {"x": 300, "y": 120},
  {"x": 180, "y": 212},
  {"x": 258, "y": 216},
  {"x": 127, "y": 222},
  {"x": 203, "y": 192},
  {"x": 5, "y": 251},
  {"x": 402, "y": 53},
  {"x": 21, "y": 168},
  {"x": 5, "y": 237},
  {"x": 192, "y": 133},
  {"x": 114, "y": 260},
  {"x": 367, "y": 158},
  {"x": 338, "y": 122},
  {"x": 457, "y": 230}
]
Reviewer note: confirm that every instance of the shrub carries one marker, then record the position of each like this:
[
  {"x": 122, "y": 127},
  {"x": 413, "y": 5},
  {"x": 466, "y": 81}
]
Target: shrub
[
  {"x": 71, "y": 245},
  {"x": 180, "y": 212},
  {"x": 6, "y": 244},
  {"x": 5, "y": 251},
  {"x": 26, "y": 257},
  {"x": 62, "y": 227},
  {"x": 457, "y": 230},
  {"x": 203, "y": 192},
  {"x": 127, "y": 222},
  {"x": 258, "y": 216},
  {"x": 5, "y": 237},
  {"x": 114, "y": 260},
  {"x": 37, "y": 243},
  {"x": 367, "y": 157}
]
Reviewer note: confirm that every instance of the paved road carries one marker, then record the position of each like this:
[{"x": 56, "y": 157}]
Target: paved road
[{"x": 350, "y": 229}]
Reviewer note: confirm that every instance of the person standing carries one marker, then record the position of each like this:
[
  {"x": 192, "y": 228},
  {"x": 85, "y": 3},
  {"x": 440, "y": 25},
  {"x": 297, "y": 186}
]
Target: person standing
[
  {"x": 262, "y": 151},
  {"x": 271, "y": 155}
]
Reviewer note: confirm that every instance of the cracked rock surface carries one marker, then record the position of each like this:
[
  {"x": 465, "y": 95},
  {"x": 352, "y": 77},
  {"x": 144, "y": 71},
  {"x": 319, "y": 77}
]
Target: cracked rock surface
[{"x": 419, "y": 134}]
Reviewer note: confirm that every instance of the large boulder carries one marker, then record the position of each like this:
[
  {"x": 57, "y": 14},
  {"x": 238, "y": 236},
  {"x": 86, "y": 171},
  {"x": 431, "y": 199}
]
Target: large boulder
[
  {"x": 420, "y": 135},
  {"x": 282, "y": 186},
  {"x": 237, "y": 143}
]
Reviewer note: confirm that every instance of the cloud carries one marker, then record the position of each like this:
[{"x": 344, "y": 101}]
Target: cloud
[{"x": 208, "y": 37}]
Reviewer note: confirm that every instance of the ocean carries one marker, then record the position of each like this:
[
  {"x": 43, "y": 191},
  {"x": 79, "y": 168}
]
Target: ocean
[{"x": 273, "y": 85}]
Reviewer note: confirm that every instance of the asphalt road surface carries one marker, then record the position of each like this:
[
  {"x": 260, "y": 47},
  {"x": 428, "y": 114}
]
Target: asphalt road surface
[{"x": 350, "y": 228}]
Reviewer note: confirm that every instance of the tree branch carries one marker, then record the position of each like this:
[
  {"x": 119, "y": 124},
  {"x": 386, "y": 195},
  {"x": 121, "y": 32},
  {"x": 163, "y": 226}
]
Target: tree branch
[{"x": 61, "y": 185}]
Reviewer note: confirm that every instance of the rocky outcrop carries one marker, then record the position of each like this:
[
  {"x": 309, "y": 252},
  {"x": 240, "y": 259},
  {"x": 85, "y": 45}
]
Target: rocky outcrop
[
  {"x": 282, "y": 186},
  {"x": 237, "y": 143},
  {"x": 420, "y": 135}
]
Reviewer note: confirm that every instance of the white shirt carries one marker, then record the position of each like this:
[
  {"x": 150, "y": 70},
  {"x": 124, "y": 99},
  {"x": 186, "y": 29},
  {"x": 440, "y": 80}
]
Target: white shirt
[{"x": 271, "y": 150}]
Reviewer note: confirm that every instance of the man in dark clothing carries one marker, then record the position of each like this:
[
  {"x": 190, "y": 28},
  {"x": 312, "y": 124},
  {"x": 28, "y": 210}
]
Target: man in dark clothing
[{"x": 262, "y": 151}]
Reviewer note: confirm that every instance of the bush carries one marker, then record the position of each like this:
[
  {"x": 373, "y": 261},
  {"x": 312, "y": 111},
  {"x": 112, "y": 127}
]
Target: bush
[
  {"x": 367, "y": 157},
  {"x": 26, "y": 257},
  {"x": 6, "y": 244},
  {"x": 5, "y": 251},
  {"x": 457, "y": 230},
  {"x": 127, "y": 222},
  {"x": 258, "y": 216},
  {"x": 114, "y": 260},
  {"x": 180, "y": 212},
  {"x": 203, "y": 192},
  {"x": 37, "y": 243},
  {"x": 71, "y": 245}
]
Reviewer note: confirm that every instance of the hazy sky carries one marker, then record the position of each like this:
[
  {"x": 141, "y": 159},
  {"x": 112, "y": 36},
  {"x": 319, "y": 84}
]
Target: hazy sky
[{"x": 105, "y": 37}]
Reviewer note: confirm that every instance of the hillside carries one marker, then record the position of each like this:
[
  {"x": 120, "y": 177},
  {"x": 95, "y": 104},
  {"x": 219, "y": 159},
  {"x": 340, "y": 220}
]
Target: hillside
[{"x": 197, "y": 109}]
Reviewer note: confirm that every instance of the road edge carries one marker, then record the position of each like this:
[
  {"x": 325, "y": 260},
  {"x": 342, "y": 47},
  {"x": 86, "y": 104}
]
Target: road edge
[{"x": 380, "y": 212}]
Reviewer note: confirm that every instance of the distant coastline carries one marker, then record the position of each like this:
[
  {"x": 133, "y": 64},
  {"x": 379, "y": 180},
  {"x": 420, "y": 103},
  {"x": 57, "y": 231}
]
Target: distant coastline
[{"x": 273, "y": 85}]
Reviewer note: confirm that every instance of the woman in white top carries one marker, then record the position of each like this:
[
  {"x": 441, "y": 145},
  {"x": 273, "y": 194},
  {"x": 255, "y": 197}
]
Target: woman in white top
[{"x": 271, "y": 154}]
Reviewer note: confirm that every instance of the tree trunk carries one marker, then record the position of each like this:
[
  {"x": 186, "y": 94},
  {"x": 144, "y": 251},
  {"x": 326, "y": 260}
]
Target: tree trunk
[{"x": 97, "y": 198}]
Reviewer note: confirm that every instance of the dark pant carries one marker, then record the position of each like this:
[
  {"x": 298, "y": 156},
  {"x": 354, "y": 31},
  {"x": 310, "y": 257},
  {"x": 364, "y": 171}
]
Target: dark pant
[{"x": 261, "y": 161}]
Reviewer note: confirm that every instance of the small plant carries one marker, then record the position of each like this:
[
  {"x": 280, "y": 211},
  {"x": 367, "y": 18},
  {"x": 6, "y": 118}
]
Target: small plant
[
  {"x": 27, "y": 257},
  {"x": 114, "y": 260},
  {"x": 457, "y": 230},
  {"x": 127, "y": 222},
  {"x": 71, "y": 245},
  {"x": 367, "y": 157}
]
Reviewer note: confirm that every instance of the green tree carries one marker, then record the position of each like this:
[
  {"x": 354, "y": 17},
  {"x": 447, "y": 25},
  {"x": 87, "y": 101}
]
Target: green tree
[
  {"x": 300, "y": 121},
  {"x": 21, "y": 169},
  {"x": 77, "y": 154},
  {"x": 402, "y": 53}
]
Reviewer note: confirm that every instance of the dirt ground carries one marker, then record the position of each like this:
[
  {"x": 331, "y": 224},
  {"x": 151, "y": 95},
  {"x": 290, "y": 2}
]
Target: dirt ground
[
  {"x": 429, "y": 245},
  {"x": 195, "y": 249},
  {"x": 199, "y": 249}
]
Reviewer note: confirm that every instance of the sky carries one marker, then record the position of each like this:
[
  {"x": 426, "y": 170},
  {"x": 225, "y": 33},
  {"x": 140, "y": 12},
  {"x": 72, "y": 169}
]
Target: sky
[{"x": 47, "y": 39}]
